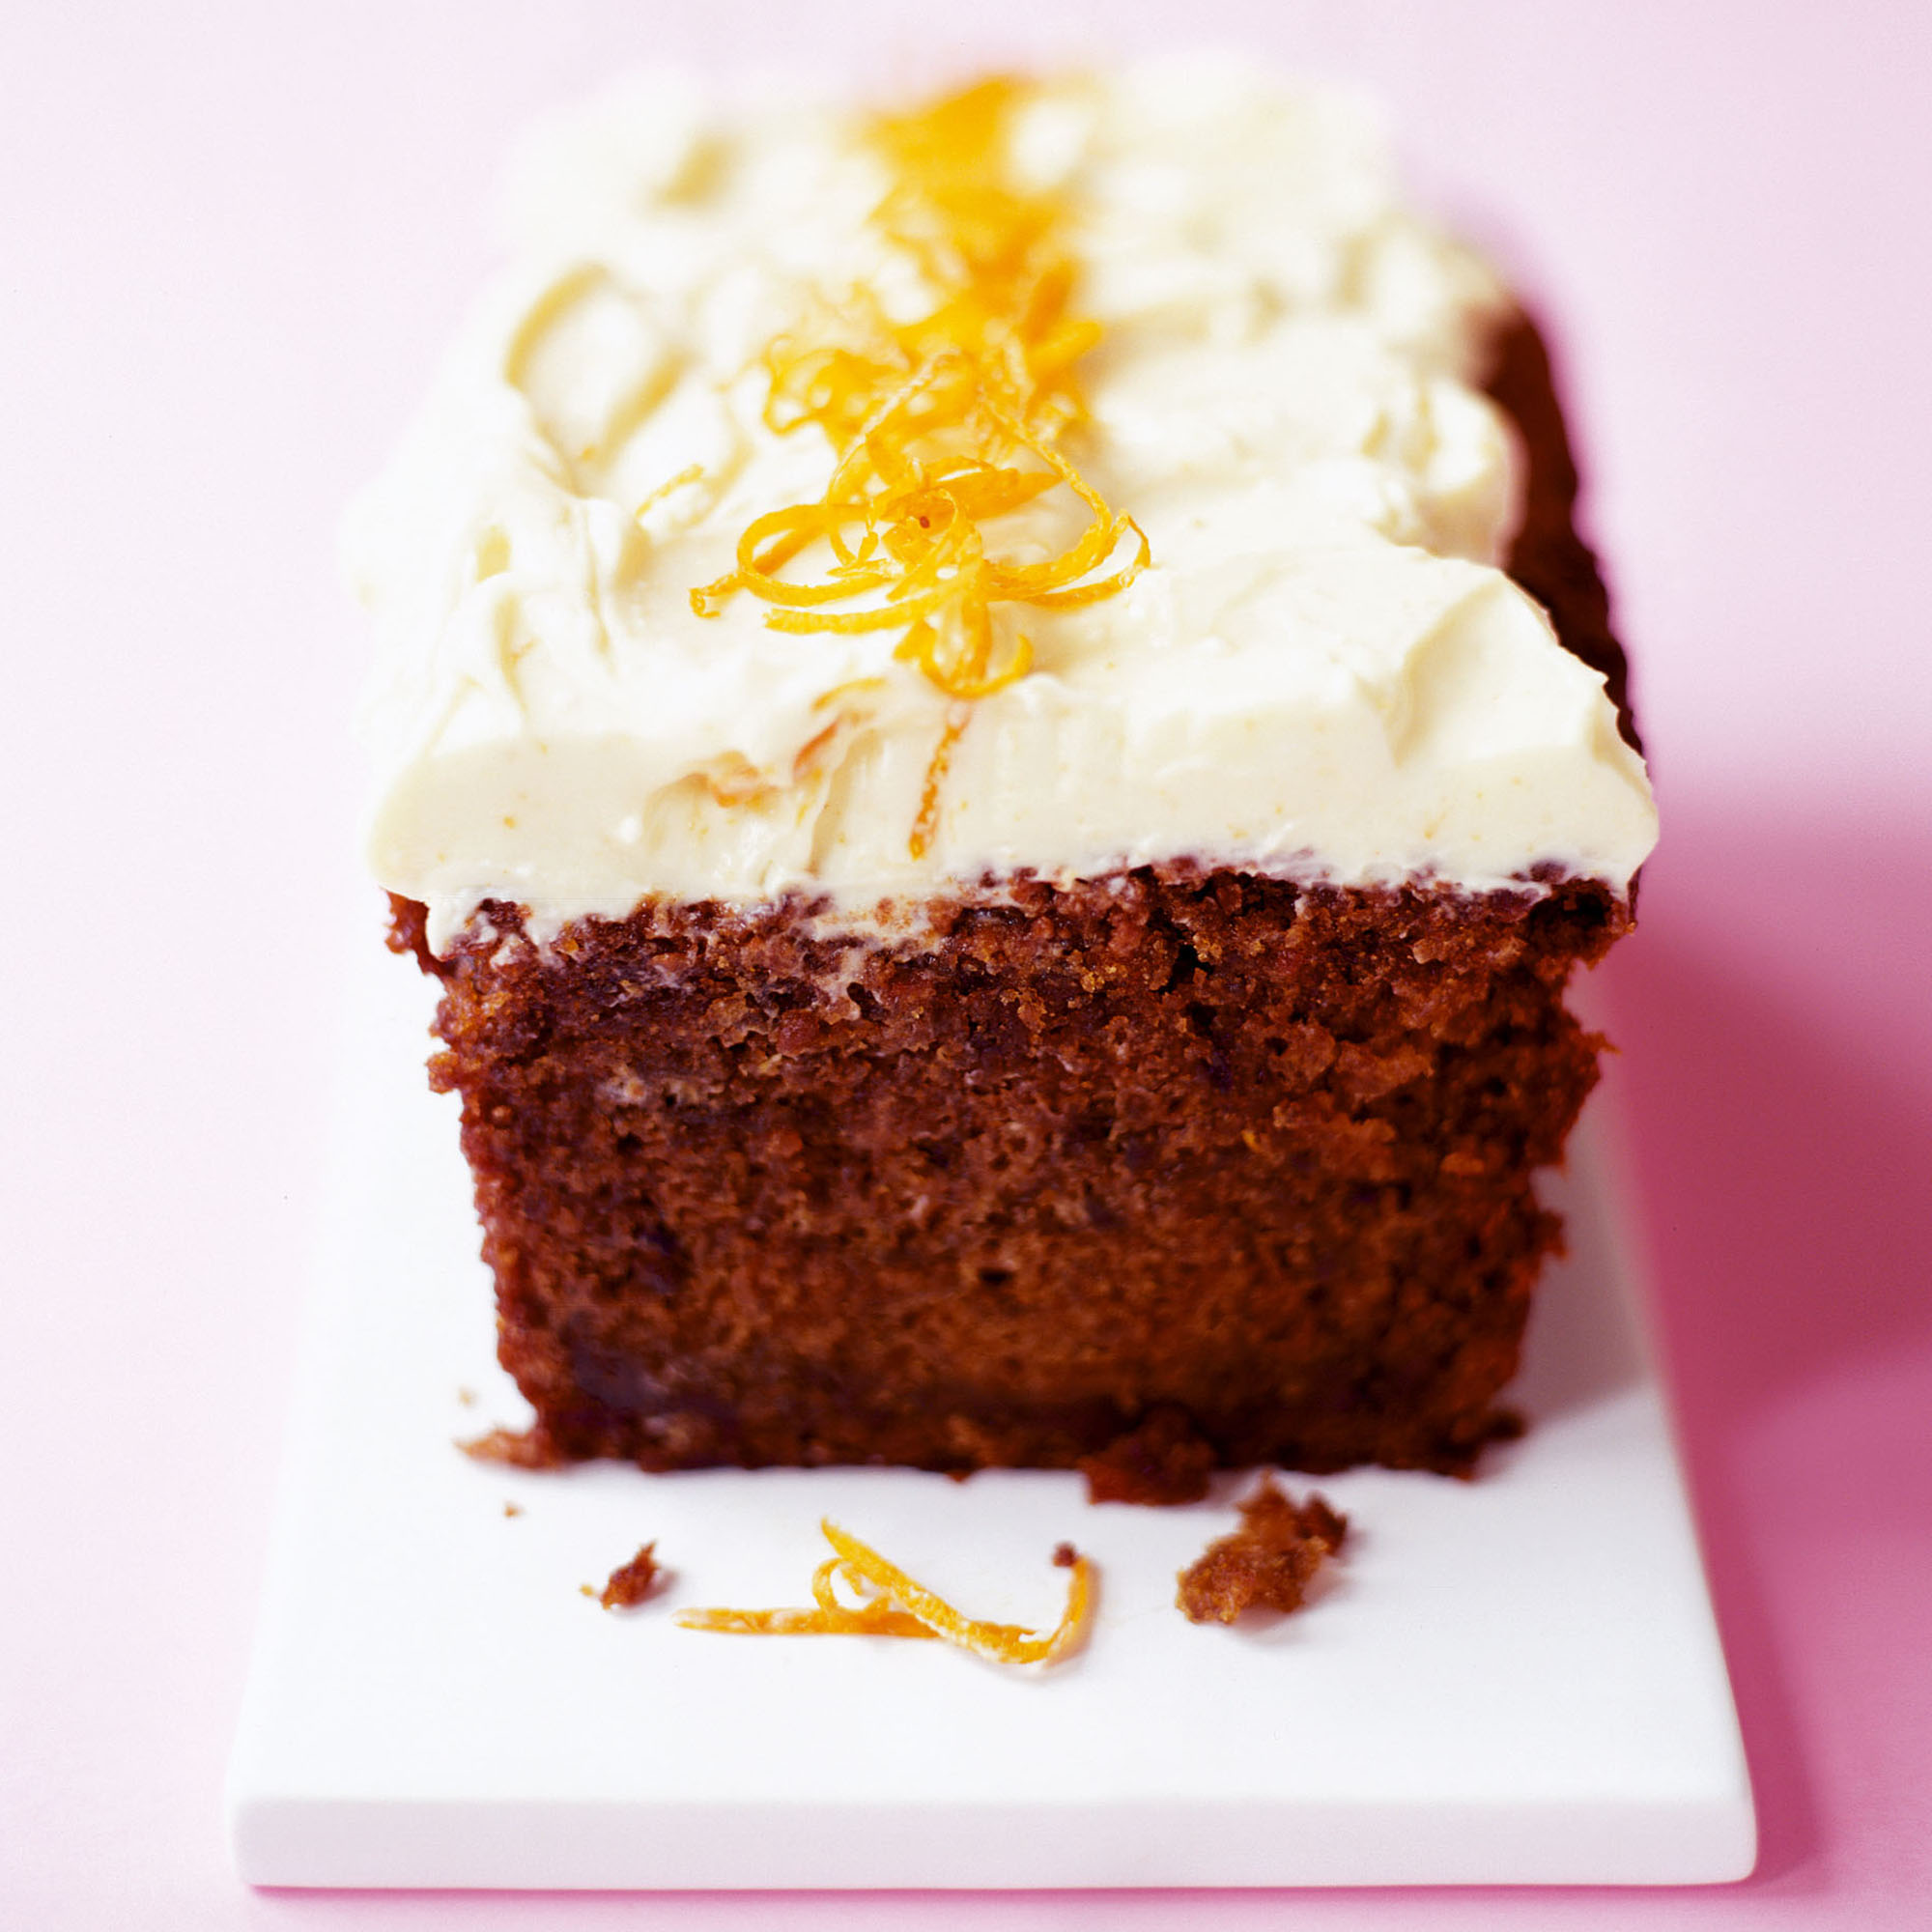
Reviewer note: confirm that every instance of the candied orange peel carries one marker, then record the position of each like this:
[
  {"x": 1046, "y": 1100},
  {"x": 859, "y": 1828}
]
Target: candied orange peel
[
  {"x": 889, "y": 1602},
  {"x": 939, "y": 426}
]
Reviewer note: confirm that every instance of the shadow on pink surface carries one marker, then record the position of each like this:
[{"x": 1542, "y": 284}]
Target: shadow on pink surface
[{"x": 1777, "y": 1079}]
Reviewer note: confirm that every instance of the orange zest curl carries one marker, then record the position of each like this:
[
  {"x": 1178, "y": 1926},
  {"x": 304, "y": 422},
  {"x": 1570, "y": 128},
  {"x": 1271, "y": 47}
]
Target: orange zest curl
[
  {"x": 692, "y": 472},
  {"x": 892, "y": 1604},
  {"x": 939, "y": 426}
]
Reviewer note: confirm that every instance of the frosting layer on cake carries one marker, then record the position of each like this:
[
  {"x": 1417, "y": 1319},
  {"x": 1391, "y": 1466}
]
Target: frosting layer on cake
[{"x": 1323, "y": 672}]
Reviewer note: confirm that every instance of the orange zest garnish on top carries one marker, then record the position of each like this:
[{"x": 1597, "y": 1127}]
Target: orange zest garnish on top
[
  {"x": 892, "y": 1604},
  {"x": 939, "y": 426}
]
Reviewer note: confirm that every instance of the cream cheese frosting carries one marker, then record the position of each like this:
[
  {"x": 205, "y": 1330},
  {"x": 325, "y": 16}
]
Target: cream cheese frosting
[{"x": 1324, "y": 671}]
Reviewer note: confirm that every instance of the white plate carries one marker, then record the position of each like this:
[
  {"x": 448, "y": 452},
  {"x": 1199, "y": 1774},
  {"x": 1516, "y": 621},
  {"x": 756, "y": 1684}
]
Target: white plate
[{"x": 1515, "y": 1680}]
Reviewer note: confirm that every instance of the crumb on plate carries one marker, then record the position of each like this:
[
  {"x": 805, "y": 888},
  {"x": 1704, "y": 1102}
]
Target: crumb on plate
[
  {"x": 1267, "y": 1563},
  {"x": 630, "y": 1583}
]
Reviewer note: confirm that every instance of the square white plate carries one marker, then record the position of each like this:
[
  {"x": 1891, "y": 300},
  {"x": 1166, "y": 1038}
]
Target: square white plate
[{"x": 1516, "y": 1680}]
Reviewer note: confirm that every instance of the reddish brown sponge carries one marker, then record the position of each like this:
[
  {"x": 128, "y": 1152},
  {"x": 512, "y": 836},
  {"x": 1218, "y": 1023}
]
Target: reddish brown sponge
[
  {"x": 630, "y": 1583},
  {"x": 1267, "y": 1563},
  {"x": 1254, "y": 1153},
  {"x": 1163, "y": 1462}
]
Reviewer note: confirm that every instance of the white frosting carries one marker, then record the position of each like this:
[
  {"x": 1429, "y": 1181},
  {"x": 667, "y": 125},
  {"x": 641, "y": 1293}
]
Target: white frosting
[{"x": 1322, "y": 674}]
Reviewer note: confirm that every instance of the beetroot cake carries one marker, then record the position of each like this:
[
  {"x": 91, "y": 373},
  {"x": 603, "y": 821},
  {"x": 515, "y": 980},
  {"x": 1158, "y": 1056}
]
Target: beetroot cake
[{"x": 992, "y": 912}]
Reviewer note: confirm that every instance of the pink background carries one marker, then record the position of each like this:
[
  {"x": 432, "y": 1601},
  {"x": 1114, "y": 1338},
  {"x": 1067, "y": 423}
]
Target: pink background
[{"x": 234, "y": 237}]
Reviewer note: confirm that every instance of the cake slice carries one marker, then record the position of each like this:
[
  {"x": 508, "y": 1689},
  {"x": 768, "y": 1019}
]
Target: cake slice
[{"x": 995, "y": 723}]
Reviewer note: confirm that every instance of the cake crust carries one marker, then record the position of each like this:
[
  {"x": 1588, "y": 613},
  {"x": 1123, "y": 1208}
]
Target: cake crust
[{"x": 1548, "y": 555}]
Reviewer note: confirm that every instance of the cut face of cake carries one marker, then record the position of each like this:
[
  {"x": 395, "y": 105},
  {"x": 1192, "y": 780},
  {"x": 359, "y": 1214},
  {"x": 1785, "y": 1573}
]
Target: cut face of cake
[{"x": 996, "y": 726}]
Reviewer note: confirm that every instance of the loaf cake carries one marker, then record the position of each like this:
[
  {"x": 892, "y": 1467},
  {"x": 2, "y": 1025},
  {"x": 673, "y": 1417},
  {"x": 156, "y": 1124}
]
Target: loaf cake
[{"x": 994, "y": 722}]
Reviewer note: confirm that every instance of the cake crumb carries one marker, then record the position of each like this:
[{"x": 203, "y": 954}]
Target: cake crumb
[
  {"x": 1065, "y": 1556},
  {"x": 1268, "y": 1562},
  {"x": 513, "y": 1509},
  {"x": 1162, "y": 1463},
  {"x": 466, "y": 1397},
  {"x": 516, "y": 1449},
  {"x": 630, "y": 1583}
]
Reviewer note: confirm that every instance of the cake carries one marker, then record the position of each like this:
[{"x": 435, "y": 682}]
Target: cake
[{"x": 994, "y": 723}]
